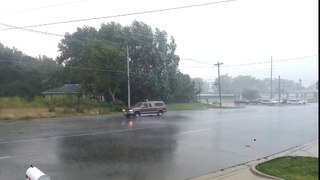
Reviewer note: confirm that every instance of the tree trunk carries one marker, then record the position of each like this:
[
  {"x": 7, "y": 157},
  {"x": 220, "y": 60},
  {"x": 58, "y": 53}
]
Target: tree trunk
[{"x": 113, "y": 94}]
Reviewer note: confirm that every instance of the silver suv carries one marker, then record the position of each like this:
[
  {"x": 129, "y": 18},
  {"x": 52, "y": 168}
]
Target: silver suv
[
  {"x": 295, "y": 101},
  {"x": 148, "y": 107}
]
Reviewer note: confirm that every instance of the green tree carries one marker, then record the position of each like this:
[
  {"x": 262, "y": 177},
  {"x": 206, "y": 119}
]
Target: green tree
[
  {"x": 111, "y": 60},
  {"x": 225, "y": 83},
  {"x": 96, "y": 64},
  {"x": 184, "y": 90},
  {"x": 22, "y": 75},
  {"x": 241, "y": 83},
  {"x": 153, "y": 65},
  {"x": 153, "y": 59},
  {"x": 200, "y": 87},
  {"x": 250, "y": 94}
]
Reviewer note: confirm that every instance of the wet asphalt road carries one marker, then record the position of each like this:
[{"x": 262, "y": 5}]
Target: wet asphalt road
[{"x": 179, "y": 145}]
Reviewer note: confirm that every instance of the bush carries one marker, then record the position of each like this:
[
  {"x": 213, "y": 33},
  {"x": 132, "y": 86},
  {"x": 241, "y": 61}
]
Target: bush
[
  {"x": 116, "y": 106},
  {"x": 79, "y": 108},
  {"x": 103, "y": 111},
  {"x": 62, "y": 105},
  {"x": 69, "y": 102},
  {"x": 68, "y": 111},
  {"x": 37, "y": 102},
  {"x": 14, "y": 102},
  {"x": 52, "y": 109}
]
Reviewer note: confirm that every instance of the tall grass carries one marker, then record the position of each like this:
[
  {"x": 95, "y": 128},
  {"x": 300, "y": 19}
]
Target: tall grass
[
  {"x": 19, "y": 108},
  {"x": 188, "y": 106}
]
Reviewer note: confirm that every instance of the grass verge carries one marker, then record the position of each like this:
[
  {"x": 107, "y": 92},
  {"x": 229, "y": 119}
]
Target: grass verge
[
  {"x": 17, "y": 108},
  {"x": 190, "y": 106},
  {"x": 35, "y": 113},
  {"x": 292, "y": 168}
]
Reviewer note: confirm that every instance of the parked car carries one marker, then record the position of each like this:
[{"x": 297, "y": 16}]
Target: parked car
[
  {"x": 304, "y": 101},
  {"x": 254, "y": 101},
  {"x": 267, "y": 101},
  {"x": 241, "y": 101},
  {"x": 216, "y": 102},
  {"x": 148, "y": 107},
  {"x": 284, "y": 101},
  {"x": 295, "y": 101}
]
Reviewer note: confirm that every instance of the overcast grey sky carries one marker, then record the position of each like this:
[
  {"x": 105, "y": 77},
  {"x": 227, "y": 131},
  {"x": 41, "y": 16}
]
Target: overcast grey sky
[{"x": 232, "y": 32}]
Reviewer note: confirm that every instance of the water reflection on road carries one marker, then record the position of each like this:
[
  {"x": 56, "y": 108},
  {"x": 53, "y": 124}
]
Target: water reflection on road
[{"x": 179, "y": 145}]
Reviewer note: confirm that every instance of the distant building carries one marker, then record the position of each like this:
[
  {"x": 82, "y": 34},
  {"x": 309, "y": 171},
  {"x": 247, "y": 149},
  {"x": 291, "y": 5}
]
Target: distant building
[
  {"x": 73, "y": 90},
  {"x": 224, "y": 97},
  {"x": 296, "y": 94},
  {"x": 303, "y": 94}
]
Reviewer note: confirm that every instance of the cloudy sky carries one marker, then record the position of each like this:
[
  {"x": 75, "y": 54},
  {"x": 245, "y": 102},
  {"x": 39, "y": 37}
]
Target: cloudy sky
[{"x": 242, "y": 34}]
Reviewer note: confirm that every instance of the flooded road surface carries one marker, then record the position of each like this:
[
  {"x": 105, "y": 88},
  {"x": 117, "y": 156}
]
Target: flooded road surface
[{"x": 178, "y": 145}]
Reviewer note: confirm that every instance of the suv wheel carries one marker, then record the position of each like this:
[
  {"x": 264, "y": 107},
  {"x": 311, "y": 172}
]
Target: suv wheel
[
  {"x": 160, "y": 113},
  {"x": 137, "y": 114}
]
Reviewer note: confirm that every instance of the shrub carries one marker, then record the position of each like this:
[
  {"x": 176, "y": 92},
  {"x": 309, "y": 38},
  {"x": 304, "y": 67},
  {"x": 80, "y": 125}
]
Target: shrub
[
  {"x": 52, "y": 109},
  {"x": 67, "y": 111},
  {"x": 14, "y": 102},
  {"x": 79, "y": 108},
  {"x": 37, "y": 102},
  {"x": 116, "y": 105}
]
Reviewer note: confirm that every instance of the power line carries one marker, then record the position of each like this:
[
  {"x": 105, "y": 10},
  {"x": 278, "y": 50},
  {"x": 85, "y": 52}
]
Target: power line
[
  {"x": 31, "y": 30},
  {"x": 122, "y": 15},
  {"x": 197, "y": 61},
  {"x": 196, "y": 67},
  {"x": 263, "y": 62},
  {"x": 267, "y": 62},
  {"x": 67, "y": 67}
]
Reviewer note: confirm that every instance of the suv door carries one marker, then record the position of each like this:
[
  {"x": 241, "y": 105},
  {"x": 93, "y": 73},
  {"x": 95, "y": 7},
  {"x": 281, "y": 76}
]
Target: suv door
[
  {"x": 144, "y": 108},
  {"x": 152, "y": 108}
]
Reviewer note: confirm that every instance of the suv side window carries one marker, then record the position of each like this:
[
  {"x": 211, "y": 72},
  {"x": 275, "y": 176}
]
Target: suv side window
[
  {"x": 158, "y": 104},
  {"x": 145, "y": 105}
]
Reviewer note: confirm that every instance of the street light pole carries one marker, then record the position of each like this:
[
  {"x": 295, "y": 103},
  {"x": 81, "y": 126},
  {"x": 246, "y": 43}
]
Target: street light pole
[{"x": 128, "y": 73}]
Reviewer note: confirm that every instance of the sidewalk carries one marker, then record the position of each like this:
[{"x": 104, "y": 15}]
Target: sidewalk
[{"x": 247, "y": 171}]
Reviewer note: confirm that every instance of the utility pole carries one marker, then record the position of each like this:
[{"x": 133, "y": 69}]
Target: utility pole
[
  {"x": 283, "y": 90},
  {"x": 128, "y": 60},
  {"x": 219, "y": 83},
  {"x": 300, "y": 83},
  {"x": 300, "y": 88},
  {"x": 271, "y": 80},
  {"x": 199, "y": 91},
  {"x": 279, "y": 90}
]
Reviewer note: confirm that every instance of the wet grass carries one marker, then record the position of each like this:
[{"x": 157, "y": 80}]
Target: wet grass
[
  {"x": 35, "y": 113},
  {"x": 292, "y": 168},
  {"x": 25, "y": 113},
  {"x": 190, "y": 106},
  {"x": 16, "y": 108}
]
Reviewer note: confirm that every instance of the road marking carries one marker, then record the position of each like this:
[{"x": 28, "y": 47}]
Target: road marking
[
  {"x": 83, "y": 134},
  {"x": 5, "y": 157},
  {"x": 101, "y": 132},
  {"x": 197, "y": 130}
]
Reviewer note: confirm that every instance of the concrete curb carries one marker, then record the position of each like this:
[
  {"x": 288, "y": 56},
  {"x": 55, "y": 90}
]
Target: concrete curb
[
  {"x": 310, "y": 148},
  {"x": 288, "y": 152},
  {"x": 258, "y": 173}
]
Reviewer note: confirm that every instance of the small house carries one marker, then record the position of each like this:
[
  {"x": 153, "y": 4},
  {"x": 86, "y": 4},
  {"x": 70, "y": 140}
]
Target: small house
[{"x": 72, "y": 90}]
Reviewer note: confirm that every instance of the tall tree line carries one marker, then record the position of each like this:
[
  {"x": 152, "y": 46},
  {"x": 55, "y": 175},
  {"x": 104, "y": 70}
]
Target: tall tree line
[
  {"x": 154, "y": 73},
  {"x": 97, "y": 59},
  {"x": 23, "y": 75},
  {"x": 241, "y": 83}
]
